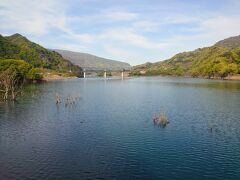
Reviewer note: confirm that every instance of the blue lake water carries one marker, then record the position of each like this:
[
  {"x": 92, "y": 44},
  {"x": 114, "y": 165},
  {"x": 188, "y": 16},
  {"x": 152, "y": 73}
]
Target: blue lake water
[{"x": 109, "y": 133}]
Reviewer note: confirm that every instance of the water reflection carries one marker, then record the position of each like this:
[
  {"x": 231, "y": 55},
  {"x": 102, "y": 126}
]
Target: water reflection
[{"x": 108, "y": 133}]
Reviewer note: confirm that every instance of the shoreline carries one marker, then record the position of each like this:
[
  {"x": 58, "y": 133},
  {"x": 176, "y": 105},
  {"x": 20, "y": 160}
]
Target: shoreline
[
  {"x": 228, "y": 78},
  {"x": 235, "y": 77},
  {"x": 49, "y": 78},
  {"x": 54, "y": 77}
]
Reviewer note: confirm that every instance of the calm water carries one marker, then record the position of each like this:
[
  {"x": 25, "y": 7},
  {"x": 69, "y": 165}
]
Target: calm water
[{"x": 109, "y": 133}]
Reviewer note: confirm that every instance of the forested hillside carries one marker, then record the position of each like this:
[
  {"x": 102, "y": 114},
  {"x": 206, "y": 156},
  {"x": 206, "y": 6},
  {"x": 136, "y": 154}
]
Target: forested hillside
[
  {"x": 218, "y": 61},
  {"x": 92, "y": 62},
  {"x": 19, "y": 47}
]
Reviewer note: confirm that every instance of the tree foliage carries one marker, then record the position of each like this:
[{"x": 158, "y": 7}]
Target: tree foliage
[
  {"x": 34, "y": 74},
  {"x": 19, "y": 66},
  {"x": 10, "y": 84},
  {"x": 13, "y": 73},
  {"x": 19, "y": 47},
  {"x": 215, "y": 61}
]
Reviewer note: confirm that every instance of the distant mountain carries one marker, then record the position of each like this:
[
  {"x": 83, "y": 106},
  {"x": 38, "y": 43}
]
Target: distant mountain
[
  {"x": 19, "y": 47},
  {"x": 220, "y": 60},
  {"x": 232, "y": 42},
  {"x": 88, "y": 61}
]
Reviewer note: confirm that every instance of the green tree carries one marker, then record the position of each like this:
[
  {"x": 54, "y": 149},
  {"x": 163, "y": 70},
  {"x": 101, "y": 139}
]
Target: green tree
[{"x": 34, "y": 74}]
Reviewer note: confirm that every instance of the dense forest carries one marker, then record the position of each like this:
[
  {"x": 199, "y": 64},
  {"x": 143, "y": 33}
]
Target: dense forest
[
  {"x": 20, "y": 48},
  {"x": 22, "y": 61},
  {"x": 218, "y": 61}
]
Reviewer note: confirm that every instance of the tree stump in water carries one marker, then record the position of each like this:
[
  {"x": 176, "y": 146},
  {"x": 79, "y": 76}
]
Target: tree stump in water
[{"x": 160, "y": 120}]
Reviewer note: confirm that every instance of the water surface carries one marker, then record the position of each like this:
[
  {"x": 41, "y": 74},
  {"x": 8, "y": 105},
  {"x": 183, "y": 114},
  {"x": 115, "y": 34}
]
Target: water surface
[{"x": 109, "y": 133}]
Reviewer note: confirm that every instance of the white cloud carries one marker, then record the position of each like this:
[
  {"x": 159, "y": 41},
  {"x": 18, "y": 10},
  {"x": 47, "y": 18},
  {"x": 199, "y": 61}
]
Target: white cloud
[
  {"x": 106, "y": 16},
  {"x": 147, "y": 26},
  {"x": 121, "y": 33},
  {"x": 179, "y": 19},
  {"x": 79, "y": 37},
  {"x": 208, "y": 31},
  {"x": 117, "y": 52},
  {"x": 118, "y": 15},
  {"x": 221, "y": 26},
  {"x": 31, "y": 17},
  {"x": 129, "y": 36}
]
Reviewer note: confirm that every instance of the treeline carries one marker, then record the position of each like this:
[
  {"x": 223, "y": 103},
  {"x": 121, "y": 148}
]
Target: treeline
[
  {"x": 19, "y": 47},
  {"x": 22, "y": 61},
  {"x": 23, "y": 69},
  {"x": 13, "y": 74},
  {"x": 211, "y": 62}
]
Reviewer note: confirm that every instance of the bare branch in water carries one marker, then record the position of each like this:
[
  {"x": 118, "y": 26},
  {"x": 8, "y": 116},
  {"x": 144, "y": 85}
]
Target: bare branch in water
[
  {"x": 160, "y": 119},
  {"x": 11, "y": 84}
]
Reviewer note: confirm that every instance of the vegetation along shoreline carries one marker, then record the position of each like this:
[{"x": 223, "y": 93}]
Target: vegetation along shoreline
[{"x": 22, "y": 61}]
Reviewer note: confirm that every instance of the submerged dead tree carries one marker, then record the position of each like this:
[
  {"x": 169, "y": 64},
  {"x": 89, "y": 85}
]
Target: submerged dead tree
[
  {"x": 10, "y": 84},
  {"x": 160, "y": 119}
]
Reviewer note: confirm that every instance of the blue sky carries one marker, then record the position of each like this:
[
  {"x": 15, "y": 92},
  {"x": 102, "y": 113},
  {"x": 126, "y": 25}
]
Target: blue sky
[{"x": 135, "y": 31}]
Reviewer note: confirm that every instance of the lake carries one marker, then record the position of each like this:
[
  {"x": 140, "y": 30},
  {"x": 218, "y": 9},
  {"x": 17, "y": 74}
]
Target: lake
[{"x": 109, "y": 133}]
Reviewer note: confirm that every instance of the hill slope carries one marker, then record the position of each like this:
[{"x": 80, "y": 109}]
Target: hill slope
[
  {"x": 92, "y": 62},
  {"x": 232, "y": 42},
  {"x": 220, "y": 60},
  {"x": 19, "y": 47}
]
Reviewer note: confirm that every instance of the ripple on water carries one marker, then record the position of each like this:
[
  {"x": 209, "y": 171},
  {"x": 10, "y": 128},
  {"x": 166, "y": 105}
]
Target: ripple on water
[{"x": 109, "y": 133}]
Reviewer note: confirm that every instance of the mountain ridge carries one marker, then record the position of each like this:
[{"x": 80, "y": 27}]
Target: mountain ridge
[
  {"x": 231, "y": 42},
  {"x": 19, "y": 47},
  {"x": 217, "y": 61},
  {"x": 92, "y": 62}
]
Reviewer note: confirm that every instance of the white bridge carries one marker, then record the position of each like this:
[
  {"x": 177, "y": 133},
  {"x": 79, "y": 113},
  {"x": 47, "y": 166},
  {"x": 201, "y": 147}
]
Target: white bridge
[{"x": 104, "y": 73}]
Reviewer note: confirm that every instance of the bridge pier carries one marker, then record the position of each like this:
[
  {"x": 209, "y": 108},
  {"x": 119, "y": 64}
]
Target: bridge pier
[
  {"x": 105, "y": 74},
  {"x": 84, "y": 73}
]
